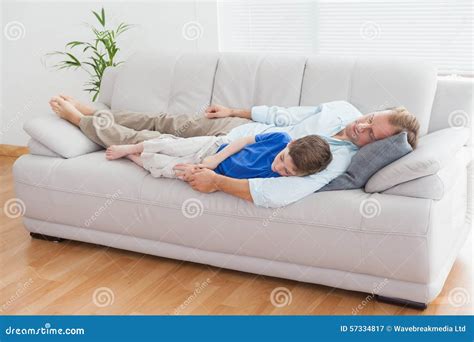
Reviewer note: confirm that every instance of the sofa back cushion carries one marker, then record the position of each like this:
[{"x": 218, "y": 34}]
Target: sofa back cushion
[
  {"x": 453, "y": 104},
  {"x": 246, "y": 80},
  {"x": 186, "y": 83},
  {"x": 158, "y": 82},
  {"x": 371, "y": 84}
]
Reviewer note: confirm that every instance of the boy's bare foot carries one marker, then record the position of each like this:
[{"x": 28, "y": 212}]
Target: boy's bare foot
[
  {"x": 119, "y": 151},
  {"x": 136, "y": 159},
  {"x": 82, "y": 107},
  {"x": 65, "y": 110}
]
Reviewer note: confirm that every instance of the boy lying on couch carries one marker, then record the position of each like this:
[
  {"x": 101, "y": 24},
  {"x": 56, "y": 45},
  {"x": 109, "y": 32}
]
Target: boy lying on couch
[{"x": 260, "y": 156}]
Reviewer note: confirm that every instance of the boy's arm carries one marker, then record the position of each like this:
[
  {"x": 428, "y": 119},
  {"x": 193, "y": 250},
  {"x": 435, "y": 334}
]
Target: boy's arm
[{"x": 212, "y": 162}]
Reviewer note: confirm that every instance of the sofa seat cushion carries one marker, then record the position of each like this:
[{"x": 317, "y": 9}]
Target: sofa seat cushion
[{"x": 345, "y": 230}]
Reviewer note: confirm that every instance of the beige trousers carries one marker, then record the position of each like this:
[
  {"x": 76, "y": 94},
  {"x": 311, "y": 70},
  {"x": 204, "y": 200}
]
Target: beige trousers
[{"x": 117, "y": 127}]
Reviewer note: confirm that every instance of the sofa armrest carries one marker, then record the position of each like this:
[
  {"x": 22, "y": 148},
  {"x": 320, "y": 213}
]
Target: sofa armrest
[
  {"x": 435, "y": 186},
  {"x": 434, "y": 152},
  {"x": 60, "y": 136}
]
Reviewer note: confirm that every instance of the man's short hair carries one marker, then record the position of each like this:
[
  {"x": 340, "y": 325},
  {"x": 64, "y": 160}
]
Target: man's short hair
[
  {"x": 404, "y": 121},
  {"x": 310, "y": 154}
]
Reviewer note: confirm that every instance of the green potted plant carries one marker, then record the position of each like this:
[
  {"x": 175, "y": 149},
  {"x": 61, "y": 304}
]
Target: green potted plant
[{"x": 94, "y": 56}]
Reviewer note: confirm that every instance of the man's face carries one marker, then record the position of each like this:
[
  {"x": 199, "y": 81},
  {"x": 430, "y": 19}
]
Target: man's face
[
  {"x": 283, "y": 164},
  {"x": 369, "y": 128}
]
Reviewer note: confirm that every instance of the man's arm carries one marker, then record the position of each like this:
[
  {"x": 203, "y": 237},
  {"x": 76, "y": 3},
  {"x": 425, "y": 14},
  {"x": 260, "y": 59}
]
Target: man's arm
[
  {"x": 274, "y": 115},
  {"x": 205, "y": 180},
  {"x": 219, "y": 111}
]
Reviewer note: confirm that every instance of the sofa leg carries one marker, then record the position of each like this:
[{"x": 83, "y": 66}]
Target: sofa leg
[
  {"x": 46, "y": 237},
  {"x": 403, "y": 302}
]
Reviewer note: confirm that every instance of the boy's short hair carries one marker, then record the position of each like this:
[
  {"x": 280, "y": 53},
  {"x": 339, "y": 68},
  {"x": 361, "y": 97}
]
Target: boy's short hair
[{"x": 310, "y": 154}]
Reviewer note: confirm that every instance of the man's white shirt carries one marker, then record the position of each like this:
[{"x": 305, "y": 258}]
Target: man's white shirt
[{"x": 324, "y": 120}]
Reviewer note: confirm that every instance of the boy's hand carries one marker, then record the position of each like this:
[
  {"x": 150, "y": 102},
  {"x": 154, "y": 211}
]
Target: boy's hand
[
  {"x": 184, "y": 171},
  {"x": 210, "y": 162},
  {"x": 217, "y": 111}
]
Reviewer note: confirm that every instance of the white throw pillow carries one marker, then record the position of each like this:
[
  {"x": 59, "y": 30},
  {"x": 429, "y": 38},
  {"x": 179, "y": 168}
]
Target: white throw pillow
[
  {"x": 433, "y": 152},
  {"x": 60, "y": 136}
]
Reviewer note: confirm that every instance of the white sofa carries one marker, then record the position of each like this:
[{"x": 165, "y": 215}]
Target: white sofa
[{"x": 403, "y": 252}]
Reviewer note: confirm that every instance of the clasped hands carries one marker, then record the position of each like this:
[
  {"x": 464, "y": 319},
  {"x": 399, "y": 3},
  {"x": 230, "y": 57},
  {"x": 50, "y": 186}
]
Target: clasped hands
[{"x": 200, "y": 177}]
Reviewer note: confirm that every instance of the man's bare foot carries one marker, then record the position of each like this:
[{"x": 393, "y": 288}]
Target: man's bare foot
[
  {"x": 82, "y": 107},
  {"x": 120, "y": 151},
  {"x": 65, "y": 110}
]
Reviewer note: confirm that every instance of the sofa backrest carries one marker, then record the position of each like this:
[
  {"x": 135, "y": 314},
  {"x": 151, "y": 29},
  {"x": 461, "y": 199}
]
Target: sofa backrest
[{"x": 187, "y": 83}]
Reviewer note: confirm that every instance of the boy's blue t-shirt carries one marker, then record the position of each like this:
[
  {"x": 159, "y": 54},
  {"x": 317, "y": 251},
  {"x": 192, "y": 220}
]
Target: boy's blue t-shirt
[{"x": 254, "y": 160}]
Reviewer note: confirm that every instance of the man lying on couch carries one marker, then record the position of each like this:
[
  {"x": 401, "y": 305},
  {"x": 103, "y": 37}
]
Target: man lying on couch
[{"x": 339, "y": 122}]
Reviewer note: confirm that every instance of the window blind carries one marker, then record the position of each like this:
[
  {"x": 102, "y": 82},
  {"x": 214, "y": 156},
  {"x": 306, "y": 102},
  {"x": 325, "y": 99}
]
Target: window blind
[
  {"x": 440, "y": 31},
  {"x": 271, "y": 26}
]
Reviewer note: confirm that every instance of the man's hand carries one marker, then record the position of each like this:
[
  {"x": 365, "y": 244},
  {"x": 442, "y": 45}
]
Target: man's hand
[
  {"x": 200, "y": 179},
  {"x": 206, "y": 180},
  {"x": 203, "y": 180},
  {"x": 217, "y": 111}
]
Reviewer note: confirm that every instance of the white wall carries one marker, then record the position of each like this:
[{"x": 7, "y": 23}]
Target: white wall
[{"x": 27, "y": 83}]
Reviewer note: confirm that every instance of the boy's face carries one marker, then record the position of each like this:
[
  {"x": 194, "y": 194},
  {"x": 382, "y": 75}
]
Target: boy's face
[{"x": 283, "y": 164}]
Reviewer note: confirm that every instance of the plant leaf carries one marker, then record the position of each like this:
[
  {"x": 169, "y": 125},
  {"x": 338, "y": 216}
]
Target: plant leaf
[
  {"x": 99, "y": 17},
  {"x": 74, "y": 43},
  {"x": 103, "y": 16},
  {"x": 74, "y": 59}
]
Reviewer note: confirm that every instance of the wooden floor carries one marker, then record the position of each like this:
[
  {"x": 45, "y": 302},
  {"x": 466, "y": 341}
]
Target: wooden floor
[{"x": 41, "y": 277}]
